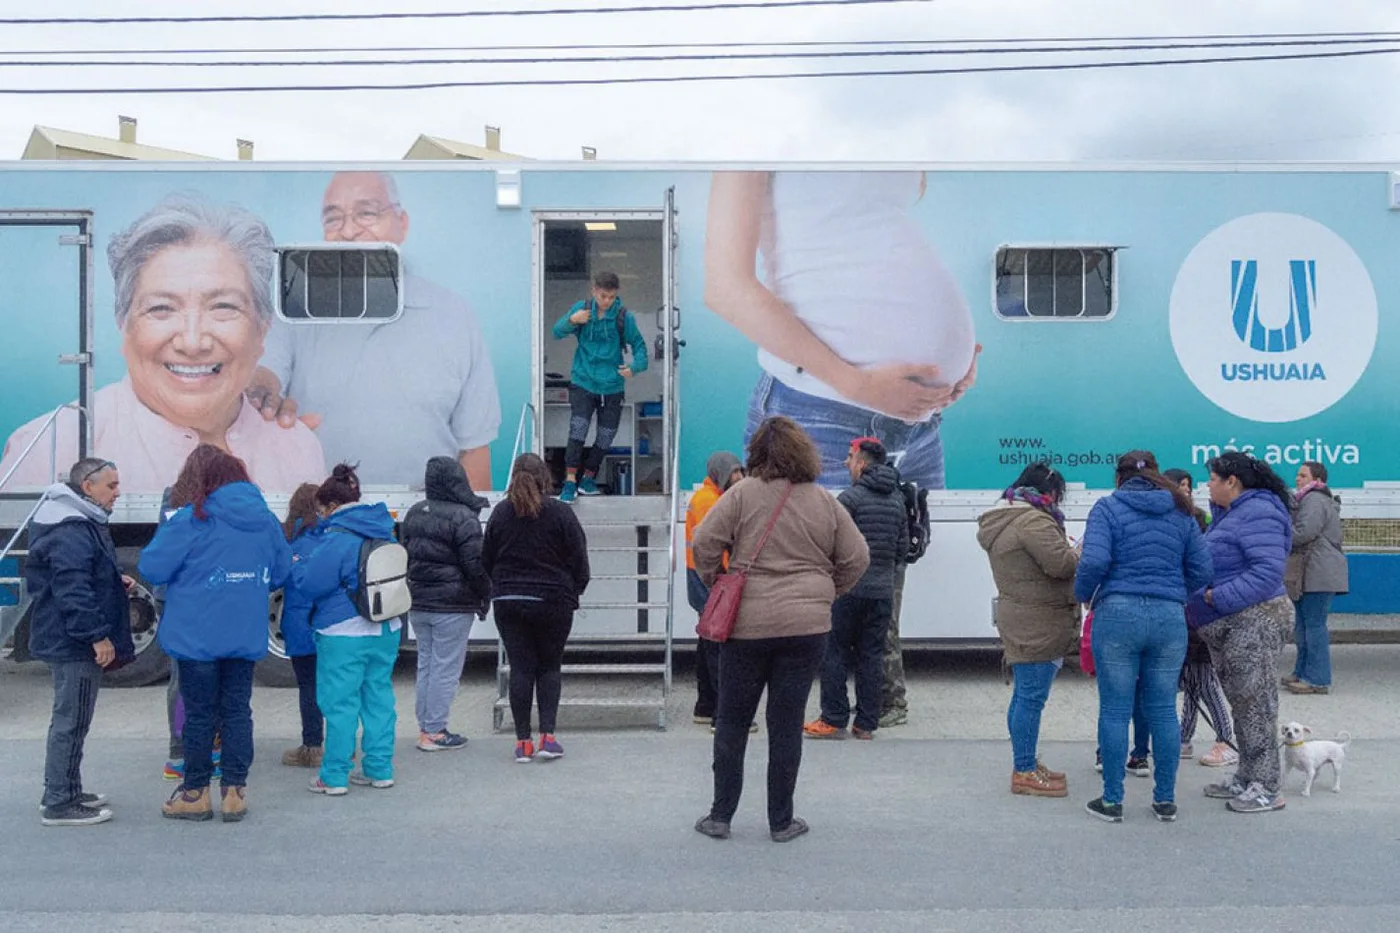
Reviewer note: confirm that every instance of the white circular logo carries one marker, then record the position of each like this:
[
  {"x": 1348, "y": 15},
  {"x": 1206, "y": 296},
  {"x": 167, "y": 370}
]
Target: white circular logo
[{"x": 1273, "y": 317}]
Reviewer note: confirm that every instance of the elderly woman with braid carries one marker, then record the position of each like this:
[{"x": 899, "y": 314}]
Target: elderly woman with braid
[{"x": 193, "y": 304}]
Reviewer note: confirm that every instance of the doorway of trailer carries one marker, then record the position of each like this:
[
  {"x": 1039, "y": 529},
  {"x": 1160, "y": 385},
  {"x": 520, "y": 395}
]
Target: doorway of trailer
[{"x": 570, "y": 249}]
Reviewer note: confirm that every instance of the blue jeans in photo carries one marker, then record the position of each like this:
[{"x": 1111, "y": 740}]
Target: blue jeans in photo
[
  {"x": 1139, "y": 646},
  {"x": 1032, "y": 688},
  {"x": 218, "y": 698},
  {"x": 916, "y": 450},
  {"x": 1314, "y": 663}
]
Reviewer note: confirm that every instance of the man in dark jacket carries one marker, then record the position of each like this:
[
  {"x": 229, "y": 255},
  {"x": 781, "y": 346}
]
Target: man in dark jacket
[
  {"x": 79, "y": 625},
  {"x": 450, "y": 589},
  {"x": 861, "y": 618}
]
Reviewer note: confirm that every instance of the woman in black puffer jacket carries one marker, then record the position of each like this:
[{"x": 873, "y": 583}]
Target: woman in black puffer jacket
[{"x": 450, "y": 590}]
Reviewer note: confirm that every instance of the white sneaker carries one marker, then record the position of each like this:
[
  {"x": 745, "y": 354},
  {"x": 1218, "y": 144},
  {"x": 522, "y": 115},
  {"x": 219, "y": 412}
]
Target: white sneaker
[
  {"x": 358, "y": 778},
  {"x": 1220, "y": 756},
  {"x": 321, "y": 787}
]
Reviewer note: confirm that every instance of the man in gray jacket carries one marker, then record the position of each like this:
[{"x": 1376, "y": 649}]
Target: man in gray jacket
[{"x": 861, "y": 618}]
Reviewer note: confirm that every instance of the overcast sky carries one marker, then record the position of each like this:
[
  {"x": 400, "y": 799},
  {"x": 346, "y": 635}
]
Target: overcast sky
[{"x": 1339, "y": 109}]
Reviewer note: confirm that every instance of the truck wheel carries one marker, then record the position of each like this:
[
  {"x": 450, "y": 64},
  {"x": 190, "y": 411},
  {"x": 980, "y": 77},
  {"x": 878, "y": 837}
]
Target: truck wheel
[
  {"x": 275, "y": 670},
  {"x": 151, "y": 665}
]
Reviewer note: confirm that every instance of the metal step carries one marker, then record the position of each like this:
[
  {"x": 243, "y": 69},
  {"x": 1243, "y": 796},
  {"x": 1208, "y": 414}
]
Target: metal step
[
  {"x": 637, "y": 523},
  {"x": 627, "y": 548},
  {"x": 607, "y": 702},
  {"x": 628, "y": 576},
  {"x": 622, "y": 605},
  {"x": 603, "y": 668}
]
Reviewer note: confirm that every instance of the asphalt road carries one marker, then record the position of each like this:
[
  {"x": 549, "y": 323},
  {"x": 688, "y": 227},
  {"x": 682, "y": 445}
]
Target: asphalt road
[{"x": 915, "y": 831}]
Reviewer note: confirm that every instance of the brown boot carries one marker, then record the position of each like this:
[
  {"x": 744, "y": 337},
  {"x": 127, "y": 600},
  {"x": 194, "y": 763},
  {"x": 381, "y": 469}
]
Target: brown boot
[
  {"x": 233, "y": 805},
  {"x": 1054, "y": 777},
  {"x": 1034, "y": 784},
  {"x": 187, "y": 804},
  {"x": 303, "y": 756}
]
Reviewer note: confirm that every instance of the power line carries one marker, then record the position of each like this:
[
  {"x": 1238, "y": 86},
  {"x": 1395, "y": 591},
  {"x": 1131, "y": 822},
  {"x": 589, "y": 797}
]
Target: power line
[
  {"x": 694, "y": 78},
  {"x": 807, "y": 43},
  {"x": 900, "y": 52},
  {"x": 435, "y": 14}
]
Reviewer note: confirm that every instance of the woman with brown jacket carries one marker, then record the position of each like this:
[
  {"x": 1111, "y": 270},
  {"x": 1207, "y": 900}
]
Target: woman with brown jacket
[
  {"x": 814, "y": 554},
  {"x": 1037, "y": 615}
]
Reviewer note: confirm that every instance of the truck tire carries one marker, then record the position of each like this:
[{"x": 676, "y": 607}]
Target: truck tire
[
  {"x": 152, "y": 665},
  {"x": 275, "y": 670}
]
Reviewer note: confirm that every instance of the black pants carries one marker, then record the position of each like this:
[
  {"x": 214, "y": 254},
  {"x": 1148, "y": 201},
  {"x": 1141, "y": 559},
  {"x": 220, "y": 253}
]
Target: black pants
[
  {"x": 786, "y": 667},
  {"x": 75, "y": 685},
  {"x": 313, "y": 727},
  {"x": 706, "y": 652},
  {"x": 859, "y": 627},
  {"x": 534, "y": 634},
  {"x": 582, "y": 406}
]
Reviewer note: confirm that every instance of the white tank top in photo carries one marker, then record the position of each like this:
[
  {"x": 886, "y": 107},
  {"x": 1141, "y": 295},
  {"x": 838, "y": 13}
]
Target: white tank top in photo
[{"x": 843, "y": 251}]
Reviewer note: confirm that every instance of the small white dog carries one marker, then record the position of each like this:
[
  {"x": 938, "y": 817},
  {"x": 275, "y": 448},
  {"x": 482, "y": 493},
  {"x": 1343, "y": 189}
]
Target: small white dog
[{"x": 1308, "y": 755}]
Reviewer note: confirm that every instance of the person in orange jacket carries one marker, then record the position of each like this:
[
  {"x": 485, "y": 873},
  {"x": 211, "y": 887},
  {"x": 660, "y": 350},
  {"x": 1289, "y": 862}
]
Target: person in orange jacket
[{"x": 722, "y": 471}]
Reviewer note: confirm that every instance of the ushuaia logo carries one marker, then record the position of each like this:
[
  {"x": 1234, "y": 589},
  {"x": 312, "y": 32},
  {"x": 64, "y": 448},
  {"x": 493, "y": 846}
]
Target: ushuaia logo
[{"x": 1273, "y": 317}]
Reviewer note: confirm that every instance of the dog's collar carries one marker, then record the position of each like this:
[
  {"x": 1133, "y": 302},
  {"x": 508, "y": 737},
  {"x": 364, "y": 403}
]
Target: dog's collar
[{"x": 1295, "y": 744}]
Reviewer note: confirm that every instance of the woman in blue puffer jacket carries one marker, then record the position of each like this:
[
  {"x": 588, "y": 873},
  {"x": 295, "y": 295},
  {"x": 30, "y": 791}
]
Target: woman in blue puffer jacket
[
  {"x": 354, "y": 656},
  {"x": 1243, "y": 616},
  {"x": 302, "y": 529},
  {"x": 1143, "y": 555}
]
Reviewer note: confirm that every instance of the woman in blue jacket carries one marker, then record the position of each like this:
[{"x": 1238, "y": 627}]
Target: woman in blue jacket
[
  {"x": 303, "y": 533},
  {"x": 1243, "y": 616},
  {"x": 1143, "y": 555},
  {"x": 219, "y": 558},
  {"x": 354, "y": 656}
]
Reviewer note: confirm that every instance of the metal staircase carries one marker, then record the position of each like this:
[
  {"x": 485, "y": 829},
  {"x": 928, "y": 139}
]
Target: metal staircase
[{"x": 625, "y": 615}]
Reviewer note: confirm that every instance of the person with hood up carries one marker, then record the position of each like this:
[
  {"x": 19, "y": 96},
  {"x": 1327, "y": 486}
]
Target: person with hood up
[
  {"x": 354, "y": 656},
  {"x": 450, "y": 590},
  {"x": 1037, "y": 615},
  {"x": 721, "y": 471},
  {"x": 1243, "y": 615},
  {"x": 1317, "y": 571},
  {"x": 219, "y": 558},
  {"x": 79, "y": 624},
  {"x": 303, "y": 531},
  {"x": 1142, "y": 556},
  {"x": 861, "y": 617}
]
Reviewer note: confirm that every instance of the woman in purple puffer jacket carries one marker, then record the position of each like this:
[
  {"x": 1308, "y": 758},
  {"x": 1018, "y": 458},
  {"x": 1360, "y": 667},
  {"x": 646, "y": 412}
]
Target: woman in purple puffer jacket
[{"x": 1243, "y": 617}]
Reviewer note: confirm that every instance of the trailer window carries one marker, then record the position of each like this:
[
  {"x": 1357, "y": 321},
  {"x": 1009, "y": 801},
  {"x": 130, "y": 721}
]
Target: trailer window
[
  {"x": 336, "y": 284},
  {"x": 1059, "y": 283}
]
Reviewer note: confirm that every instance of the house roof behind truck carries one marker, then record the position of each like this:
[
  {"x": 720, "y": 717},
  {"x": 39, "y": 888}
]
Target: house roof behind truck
[{"x": 46, "y": 142}]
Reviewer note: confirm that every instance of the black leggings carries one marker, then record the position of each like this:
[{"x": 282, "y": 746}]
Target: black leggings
[{"x": 534, "y": 634}]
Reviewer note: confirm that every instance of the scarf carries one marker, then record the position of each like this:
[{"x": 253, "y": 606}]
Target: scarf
[
  {"x": 1314, "y": 486},
  {"x": 1036, "y": 499}
]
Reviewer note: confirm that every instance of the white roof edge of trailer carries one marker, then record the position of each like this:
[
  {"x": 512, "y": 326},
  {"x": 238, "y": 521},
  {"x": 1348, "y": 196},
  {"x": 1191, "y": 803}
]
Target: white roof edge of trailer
[{"x": 698, "y": 166}]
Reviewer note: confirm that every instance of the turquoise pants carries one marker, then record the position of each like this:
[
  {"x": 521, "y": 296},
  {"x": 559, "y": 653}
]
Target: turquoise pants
[{"x": 354, "y": 687}]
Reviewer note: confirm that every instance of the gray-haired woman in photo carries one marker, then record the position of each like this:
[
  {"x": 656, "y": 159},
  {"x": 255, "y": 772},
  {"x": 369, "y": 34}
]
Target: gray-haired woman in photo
[{"x": 193, "y": 303}]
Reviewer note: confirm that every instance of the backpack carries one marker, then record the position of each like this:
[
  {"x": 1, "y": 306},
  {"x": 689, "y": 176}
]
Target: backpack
[
  {"x": 622, "y": 332},
  {"x": 382, "y": 593},
  {"x": 916, "y": 510}
]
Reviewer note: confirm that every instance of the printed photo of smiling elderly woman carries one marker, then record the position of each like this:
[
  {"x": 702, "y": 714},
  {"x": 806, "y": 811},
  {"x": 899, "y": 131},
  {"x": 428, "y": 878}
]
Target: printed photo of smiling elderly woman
[{"x": 193, "y": 304}]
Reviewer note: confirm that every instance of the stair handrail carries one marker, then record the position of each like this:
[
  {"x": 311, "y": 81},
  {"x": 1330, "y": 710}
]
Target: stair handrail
[
  {"x": 50, "y": 427},
  {"x": 527, "y": 415},
  {"x": 671, "y": 541},
  {"x": 14, "y": 538}
]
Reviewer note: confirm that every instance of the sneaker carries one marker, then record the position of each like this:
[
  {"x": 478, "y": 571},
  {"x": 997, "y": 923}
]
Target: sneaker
[
  {"x": 702, "y": 720},
  {"x": 1303, "y": 688},
  {"x": 893, "y": 717},
  {"x": 359, "y": 779},
  {"x": 1255, "y": 799},
  {"x": 186, "y": 804},
  {"x": 1187, "y": 751},
  {"x": 524, "y": 751},
  {"x": 86, "y": 800},
  {"x": 1225, "y": 790},
  {"x": 174, "y": 770},
  {"x": 865, "y": 735},
  {"x": 1220, "y": 756},
  {"x": 1098, "y": 760},
  {"x": 1288, "y": 679},
  {"x": 569, "y": 493},
  {"x": 549, "y": 748},
  {"x": 821, "y": 729},
  {"x": 233, "y": 803},
  {"x": 442, "y": 742},
  {"x": 713, "y": 828},
  {"x": 1140, "y": 767},
  {"x": 1108, "y": 812},
  {"x": 1165, "y": 812},
  {"x": 303, "y": 756},
  {"x": 75, "y": 814},
  {"x": 588, "y": 487},
  {"x": 319, "y": 786},
  {"x": 1035, "y": 784},
  {"x": 790, "y": 832}
]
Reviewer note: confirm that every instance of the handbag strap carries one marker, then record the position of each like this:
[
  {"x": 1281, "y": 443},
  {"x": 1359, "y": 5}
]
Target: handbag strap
[{"x": 769, "y": 530}]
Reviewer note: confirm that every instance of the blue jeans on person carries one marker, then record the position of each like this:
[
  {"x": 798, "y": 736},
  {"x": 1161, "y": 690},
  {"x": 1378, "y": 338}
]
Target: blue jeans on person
[
  {"x": 1314, "y": 664},
  {"x": 1031, "y": 689},
  {"x": 916, "y": 450},
  {"x": 1139, "y": 646},
  {"x": 218, "y": 697}
]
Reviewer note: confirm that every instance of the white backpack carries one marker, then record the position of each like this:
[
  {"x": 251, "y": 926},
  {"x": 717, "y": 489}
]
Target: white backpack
[{"x": 383, "y": 574}]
